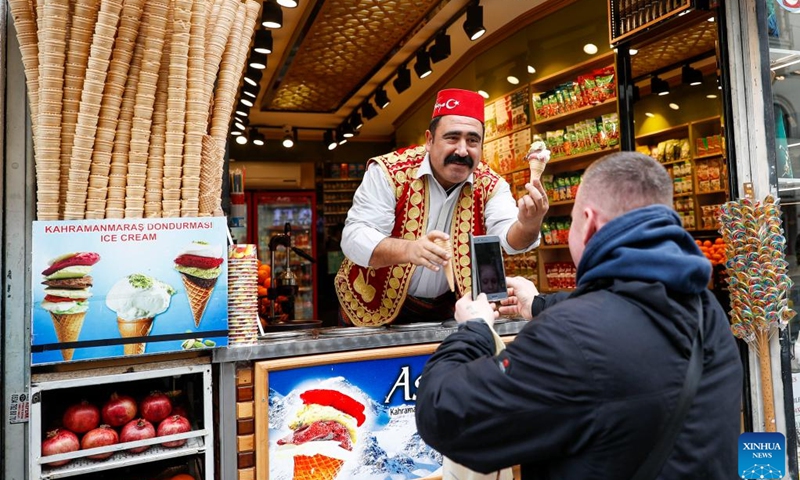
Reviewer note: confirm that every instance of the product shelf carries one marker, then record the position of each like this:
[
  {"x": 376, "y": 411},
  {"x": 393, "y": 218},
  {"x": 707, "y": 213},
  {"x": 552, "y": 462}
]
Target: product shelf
[{"x": 608, "y": 106}]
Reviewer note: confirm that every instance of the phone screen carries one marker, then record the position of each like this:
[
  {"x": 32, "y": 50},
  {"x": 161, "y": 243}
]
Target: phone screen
[{"x": 488, "y": 271}]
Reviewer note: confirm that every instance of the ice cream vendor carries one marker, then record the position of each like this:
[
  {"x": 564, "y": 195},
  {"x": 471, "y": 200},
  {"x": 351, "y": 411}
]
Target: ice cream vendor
[{"x": 415, "y": 208}]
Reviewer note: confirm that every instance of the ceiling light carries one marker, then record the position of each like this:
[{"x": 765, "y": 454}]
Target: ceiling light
[
  {"x": 252, "y": 75},
  {"x": 515, "y": 74},
  {"x": 242, "y": 110},
  {"x": 484, "y": 94},
  {"x": 403, "y": 80},
  {"x": 241, "y": 139},
  {"x": 246, "y": 101},
  {"x": 263, "y": 41},
  {"x": 710, "y": 19},
  {"x": 355, "y": 121},
  {"x": 258, "y": 60},
  {"x": 632, "y": 51},
  {"x": 236, "y": 133},
  {"x": 368, "y": 111},
  {"x": 473, "y": 25},
  {"x": 590, "y": 48},
  {"x": 659, "y": 86},
  {"x": 674, "y": 106},
  {"x": 256, "y": 137},
  {"x": 691, "y": 76},
  {"x": 288, "y": 3},
  {"x": 251, "y": 90},
  {"x": 440, "y": 50},
  {"x": 423, "y": 64},
  {"x": 241, "y": 123},
  {"x": 347, "y": 130},
  {"x": 711, "y": 95},
  {"x": 288, "y": 137},
  {"x": 531, "y": 69},
  {"x": 271, "y": 15},
  {"x": 340, "y": 135},
  {"x": 328, "y": 140},
  {"x": 381, "y": 98},
  {"x": 512, "y": 79},
  {"x": 648, "y": 115}
]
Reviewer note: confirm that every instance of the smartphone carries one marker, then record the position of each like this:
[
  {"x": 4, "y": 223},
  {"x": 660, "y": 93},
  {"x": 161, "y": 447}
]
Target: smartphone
[{"x": 488, "y": 272}]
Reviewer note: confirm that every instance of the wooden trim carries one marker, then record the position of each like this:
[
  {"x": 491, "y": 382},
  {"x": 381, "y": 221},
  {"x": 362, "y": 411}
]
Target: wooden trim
[
  {"x": 245, "y": 443},
  {"x": 247, "y": 474},
  {"x": 244, "y": 376},
  {"x": 244, "y": 410}
]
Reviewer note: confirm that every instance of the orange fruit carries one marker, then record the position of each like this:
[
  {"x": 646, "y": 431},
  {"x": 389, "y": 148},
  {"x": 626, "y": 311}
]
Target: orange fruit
[
  {"x": 707, "y": 243},
  {"x": 719, "y": 241},
  {"x": 182, "y": 476}
]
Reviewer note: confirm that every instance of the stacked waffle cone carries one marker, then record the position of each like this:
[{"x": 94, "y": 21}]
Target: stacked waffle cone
[
  {"x": 123, "y": 94},
  {"x": 448, "y": 267}
]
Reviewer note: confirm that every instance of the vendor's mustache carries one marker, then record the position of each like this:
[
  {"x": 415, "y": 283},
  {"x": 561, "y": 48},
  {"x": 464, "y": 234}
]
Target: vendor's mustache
[{"x": 454, "y": 158}]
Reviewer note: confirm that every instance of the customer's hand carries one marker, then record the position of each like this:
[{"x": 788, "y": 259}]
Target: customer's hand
[
  {"x": 425, "y": 253},
  {"x": 469, "y": 309},
  {"x": 521, "y": 293}
]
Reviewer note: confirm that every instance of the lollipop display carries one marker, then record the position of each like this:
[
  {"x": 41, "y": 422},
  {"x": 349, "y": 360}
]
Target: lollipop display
[{"x": 758, "y": 282}]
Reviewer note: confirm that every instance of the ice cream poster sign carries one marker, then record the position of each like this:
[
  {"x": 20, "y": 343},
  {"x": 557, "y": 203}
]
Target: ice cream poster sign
[
  {"x": 343, "y": 420},
  {"x": 108, "y": 288}
]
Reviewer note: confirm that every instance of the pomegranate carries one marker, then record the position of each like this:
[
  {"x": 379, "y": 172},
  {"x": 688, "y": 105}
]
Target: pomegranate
[
  {"x": 81, "y": 417},
  {"x": 101, "y": 436},
  {"x": 119, "y": 410},
  {"x": 59, "y": 440},
  {"x": 179, "y": 410},
  {"x": 171, "y": 426},
  {"x": 155, "y": 407},
  {"x": 139, "y": 429}
]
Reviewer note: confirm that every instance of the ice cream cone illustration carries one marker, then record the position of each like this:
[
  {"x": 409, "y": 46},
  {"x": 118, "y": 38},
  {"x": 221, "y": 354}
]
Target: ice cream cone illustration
[
  {"x": 137, "y": 299},
  {"x": 135, "y": 328},
  {"x": 448, "y": 267},
  {"x": 200, "y": 265},
  {"x": 67, "y": 292},
  {"x": 537, "y": 156},
  {"x": 324, "y": 432},
  {"x": 316, "y": 467}
]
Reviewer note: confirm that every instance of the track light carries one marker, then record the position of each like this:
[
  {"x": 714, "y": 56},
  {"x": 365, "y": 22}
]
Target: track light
[
  {"x": 473, "y": 25},
  {"x": 515, "y": 74},
  {"x": 241, "y": 139},
  {"x": 347, "y": 130},
  {"x": 257, "y": 60},
  {"x": 251, "y": 91},
  {"x": 252, "y": 75},
  {"x": 288, "y": 136},
  {"x": 340, "y": 135},
  {"x": 440, "y": 50},
  {"x": 256, "y": 137},
  {"x": 241, "y": 123},
  {"x": 242, "y": 110},
  {"x": 659, "y": 86},
  {"x": 368, "y": 111},
  {"x": 271, "y": 15},
  {"x": 246, "y": 101},
  {"x": 263, "y": 41},
  {"x": 355, "y": 121},
  {"x": 403, "y": 80},
  {"x": 423, "y": 64},
  {"x": 328, "y": 140},
  {"x": 288, "y": 3},
  {"x": 691, "y": 76},
  {"x": 236, "y": 133},
  {"x": 381, "y": 98}
]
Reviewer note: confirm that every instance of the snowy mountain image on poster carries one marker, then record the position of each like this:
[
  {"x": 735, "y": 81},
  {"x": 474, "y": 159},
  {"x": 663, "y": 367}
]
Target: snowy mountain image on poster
[{"x": 343, "y": 427}]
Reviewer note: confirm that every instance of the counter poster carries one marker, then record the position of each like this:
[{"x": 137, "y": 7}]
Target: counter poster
[
  {"x": 342, "y": 415},
  {"x": 111, "y": 288}
]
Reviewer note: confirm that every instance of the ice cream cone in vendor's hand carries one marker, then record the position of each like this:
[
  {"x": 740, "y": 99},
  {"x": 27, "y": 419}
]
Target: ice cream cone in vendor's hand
[
  {"x": 66, "y": 294},
  {"x": 200, "y": 264},
  {"x": 538, "y": 156},
  {"x": 324, "y": 432},
  {"x": 137, "y": 299}
]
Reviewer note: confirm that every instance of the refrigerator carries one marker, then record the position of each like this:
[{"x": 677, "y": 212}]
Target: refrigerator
[{"x": 270, "y": 211}]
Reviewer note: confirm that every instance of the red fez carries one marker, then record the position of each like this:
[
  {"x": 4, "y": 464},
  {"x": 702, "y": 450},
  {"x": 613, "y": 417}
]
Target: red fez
[{"x": 454, "y": 101}]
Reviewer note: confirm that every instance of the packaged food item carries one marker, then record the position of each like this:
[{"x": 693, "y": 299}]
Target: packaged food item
[{"x": 611, "y": 127}]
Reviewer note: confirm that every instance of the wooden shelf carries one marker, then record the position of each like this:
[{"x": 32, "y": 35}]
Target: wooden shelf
[
  {"x": 711, "y": 192},
  {"x": 580, "y": 112},
  {"x": 553, "y": 247},
  {"x": 680, "y": 195},
  {"x": 709, "y": 155},
  {"x": 673, "y": 162},
  {"x": 682, "y": 128},
  {"x": 332, "y": 202},
  {"x": 505, "y": 134},
  {"x": 348, "y": 179},
  {"x": 571, "y": 73},
  {"x": 584, "y": 155},
  {"x": 563, "y": 202},
  {"x": 339, "y": 191}
]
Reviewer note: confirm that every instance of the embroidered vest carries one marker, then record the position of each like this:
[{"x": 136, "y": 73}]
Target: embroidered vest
[{"x": 373, "y": 296}]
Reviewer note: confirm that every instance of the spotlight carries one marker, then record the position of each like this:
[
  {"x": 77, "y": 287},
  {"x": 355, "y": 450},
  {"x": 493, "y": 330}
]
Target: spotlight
[
  {"x": 258, "y": 60},
  {"x": 271, "y": 15},
  {"x": 473, "y": 25},
  {"x": 440, "y": 50},
  {"x": 347, "y": 130},
  {"x": 484, "y": 94},
  {"x": 288, "y": 3},
  {"x": 423, "y": 64},
  {"x": 256, "y": 137},
  {"x": 515, "y": 74},
  {"x": 241, "y": 123},
  {"x": 288, "y": 137},
  {"x": 659, "y": 86},
  {"x": 241, "y": 139},
  {"x": 381, "y": 98},
  {"x": 236, "y": 133},
  {"x": 368, "y": 111},
  {"x": 242, "y": 110},
  {"x": 403, "y": 80},
  {"x": 252, "y": 75},
  {"x": 355, "y": 121},
  {"x": 691, "y": 76},
  {"x": 340, "y": 135},
  {"x": 328, "y": 139},
  {"x": 251, "y": 90},
  {"x": 263, "y": 41},
  {"x": 246, "y": 101},
  {"x": 590, "y": 48}
]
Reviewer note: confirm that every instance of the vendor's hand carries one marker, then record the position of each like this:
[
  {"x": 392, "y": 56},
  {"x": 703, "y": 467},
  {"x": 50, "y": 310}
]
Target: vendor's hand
[
  {"x": 469, "y": 309},
  {"x": 521, "y": 293},
  {"x": 533, "y": 206},
  {"x": 425, "y": 253}
]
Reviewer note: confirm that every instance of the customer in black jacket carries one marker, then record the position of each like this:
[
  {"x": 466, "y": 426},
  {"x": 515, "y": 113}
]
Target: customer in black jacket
[{"x": 585, "y": 388}]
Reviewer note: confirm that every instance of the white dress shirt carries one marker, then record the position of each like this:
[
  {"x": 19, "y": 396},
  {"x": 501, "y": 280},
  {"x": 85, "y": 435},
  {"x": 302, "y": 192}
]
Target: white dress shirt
[{"x": 371, "y": 219}]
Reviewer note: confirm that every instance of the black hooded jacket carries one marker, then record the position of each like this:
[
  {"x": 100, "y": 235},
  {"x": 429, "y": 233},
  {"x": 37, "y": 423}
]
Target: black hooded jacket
[{"x": 584, "y": 389}]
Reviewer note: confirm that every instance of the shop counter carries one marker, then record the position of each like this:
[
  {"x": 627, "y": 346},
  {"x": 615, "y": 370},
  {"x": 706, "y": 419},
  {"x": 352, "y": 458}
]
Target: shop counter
[{"x": 371, "y": 373}]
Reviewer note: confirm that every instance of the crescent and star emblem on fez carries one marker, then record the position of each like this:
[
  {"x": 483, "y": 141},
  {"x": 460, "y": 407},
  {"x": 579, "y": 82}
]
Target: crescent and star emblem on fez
[{"x": 449, "y": 104}]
